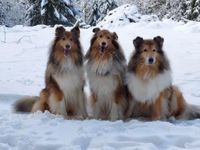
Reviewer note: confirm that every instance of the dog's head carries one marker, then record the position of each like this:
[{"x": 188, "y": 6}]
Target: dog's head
[
  {"x": 66, "y": 41},
  {"x": 148, "y": 56},
  {"x": 67, "y": 45},
  {"x": 149, "y": 50},
  {"x": 105, "y": 54},
  {"x": 103, "y": 42}
]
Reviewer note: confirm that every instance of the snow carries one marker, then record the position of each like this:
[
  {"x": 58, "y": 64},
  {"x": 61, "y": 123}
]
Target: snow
[
  {"x": 67, "y": 2},
  {"x": 23, "y": 60},
  {"x": 12, "y": 12},
  {"x": 56, "y": 13},
  {"x": 63, "y": 18},
  {"x": 125, "y": 14},
  {"x": 43, "y": 3},
  {"x": 70, "y": 11},
  {"x": 43, "y": 11}
]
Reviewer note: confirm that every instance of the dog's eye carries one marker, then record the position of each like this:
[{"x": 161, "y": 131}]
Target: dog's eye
[
  {"x": 145, "y": 50},
  {"x": 100, "y": 36},
  {"x": 70, "y": 39},
  {"x": 154, "y": 50},
  {"x": 108, "y": 37},
  {"x": 63, "y": 38}
]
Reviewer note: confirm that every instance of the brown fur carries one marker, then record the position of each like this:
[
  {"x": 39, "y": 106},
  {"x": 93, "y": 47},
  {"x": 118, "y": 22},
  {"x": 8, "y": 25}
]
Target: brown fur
[
  {"x": 65, "y": 64},
  {"x": 106, "y": 64},
  {"x": 148, "y": 48},
  {"x": 180, "y": 103},
  {"x": 170, "y": 101},
  {"x": 25, "y": 104},
  {"x": 93, "y": 98}
]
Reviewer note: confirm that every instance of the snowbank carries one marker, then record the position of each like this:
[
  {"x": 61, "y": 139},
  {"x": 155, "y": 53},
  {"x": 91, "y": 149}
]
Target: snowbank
[{"x": 123, "y": 15}]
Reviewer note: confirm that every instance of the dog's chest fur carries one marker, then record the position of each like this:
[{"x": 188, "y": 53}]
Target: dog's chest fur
[
  {"x": 103, "y": 85},
  {"x": 101, "y": 67},
  {"x": 71, "y": 78},
  {"x": 148, "y": 90}
]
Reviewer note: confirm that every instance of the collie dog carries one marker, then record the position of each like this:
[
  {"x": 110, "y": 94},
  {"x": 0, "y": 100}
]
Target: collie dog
[
  {"x": 106, "y": 66},
  {"x": 64, "y": 79},
  {"x": 151, "y": 93}
]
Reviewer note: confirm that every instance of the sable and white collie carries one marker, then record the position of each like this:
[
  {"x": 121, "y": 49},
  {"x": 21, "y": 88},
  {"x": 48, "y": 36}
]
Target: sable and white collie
[
  {"x": 64, "y": 79},
  {"x": 151, "y": 93},
  {"x": 106, "y": 68}
]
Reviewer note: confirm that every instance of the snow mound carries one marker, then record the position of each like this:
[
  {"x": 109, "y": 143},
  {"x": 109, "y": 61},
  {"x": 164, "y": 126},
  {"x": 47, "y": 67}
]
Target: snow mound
[{"x": 125, "y": 14}]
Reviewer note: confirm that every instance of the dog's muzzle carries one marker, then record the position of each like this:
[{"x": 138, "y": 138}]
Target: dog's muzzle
[
  {"x": 67, "y": 49},
  {"x": 103, "y": 46},
  {"x": 151, "y": 60}
]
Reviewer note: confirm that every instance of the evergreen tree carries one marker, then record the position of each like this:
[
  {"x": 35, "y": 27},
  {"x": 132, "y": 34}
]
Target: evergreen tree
[
  {"x": 174, "y": 9},
  {"x": 2, "y": 13},
  {"x": 154, "y": 5},
  {"x": 96, "y": 10},
  {"x": 33, "y": 16},
  {"x": 58, "y": 12},
  {"x": 12, "y": 12},
  {"x": 51, "y": 12},
  {"x": 192, "y": 9},
  {"x": 183, "y": 10}
]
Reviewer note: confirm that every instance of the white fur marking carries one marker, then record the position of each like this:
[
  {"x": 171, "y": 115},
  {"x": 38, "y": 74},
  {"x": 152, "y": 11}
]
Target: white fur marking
[
  {"x": 70, "y": 82},
  {"x": 148, "y": 90},
  {"x": 57, "y": 107},
  {"x": 101, "y": 67},
  {"x": 115, "y": 113}
]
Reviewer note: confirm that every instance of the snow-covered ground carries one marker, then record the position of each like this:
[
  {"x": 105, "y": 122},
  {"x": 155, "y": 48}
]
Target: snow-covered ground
[
  {"x": 23, "y": 56},
  {"x": 123, "y": 15}
]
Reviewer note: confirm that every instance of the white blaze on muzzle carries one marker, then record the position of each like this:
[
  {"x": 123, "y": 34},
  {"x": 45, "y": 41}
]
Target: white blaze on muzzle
[{"x": 150, "y": 60}]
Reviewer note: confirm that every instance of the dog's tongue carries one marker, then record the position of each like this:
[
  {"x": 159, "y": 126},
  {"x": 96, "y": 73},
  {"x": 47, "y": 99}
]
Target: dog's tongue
[
  {"x": 66, "y": 51},
  {"x": 102, "y": 48}
]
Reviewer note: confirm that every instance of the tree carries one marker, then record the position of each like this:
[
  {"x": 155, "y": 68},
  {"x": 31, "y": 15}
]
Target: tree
[
  {"x": 174, "y": 9},
  {"x": 58, "y": 12},
  {"x": 51, "y": 12},
  {"x": 96, "y": 10},
  {"x": 33, "y": 16},
  {"x": 184, "y": 10},
  {"x": 2, "y": 13},
  {"x": 192, "y": 9},
  {"x": 12, "y": 12}
]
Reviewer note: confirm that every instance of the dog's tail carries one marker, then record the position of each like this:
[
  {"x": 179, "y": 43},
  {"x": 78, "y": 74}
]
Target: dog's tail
[
  {"x": 25, "y": 104},
  {"x": 191, "y": 112}
]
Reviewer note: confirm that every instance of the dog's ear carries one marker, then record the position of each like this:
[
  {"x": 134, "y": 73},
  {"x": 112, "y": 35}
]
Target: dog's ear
[
  {"x": 159, "y": 41},
  {"x": 137, "y": 42},
  {"x": 96, "y": 30},
  {"x": 76, "y": 30},
  {"x": 60, "y": 31},
  {"x": 115, "y": 36}
]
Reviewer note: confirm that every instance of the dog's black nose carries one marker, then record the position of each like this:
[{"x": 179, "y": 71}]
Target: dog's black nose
[
  {"x": 151, "y": 60},
  {"x": 67, "y": 46},
  {"x": 103, "y": 43}
]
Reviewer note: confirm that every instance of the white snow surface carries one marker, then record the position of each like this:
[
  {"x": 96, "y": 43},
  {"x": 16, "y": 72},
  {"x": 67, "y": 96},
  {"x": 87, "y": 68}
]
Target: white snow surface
[
  {"x": 23, "y": 60},
  {"x": 123, "y": 15}
]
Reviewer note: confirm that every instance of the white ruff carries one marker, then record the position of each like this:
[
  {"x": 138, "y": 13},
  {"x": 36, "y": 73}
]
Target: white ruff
[
  {"x": 68, "y": 65},
  {"x": 70, "y": 84},
  {"x": 70, "y": 81},
  {"x": 103, "y": 86},
  {"x": 148, "y": 90},
  {"x": 101, "y": 67}
]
